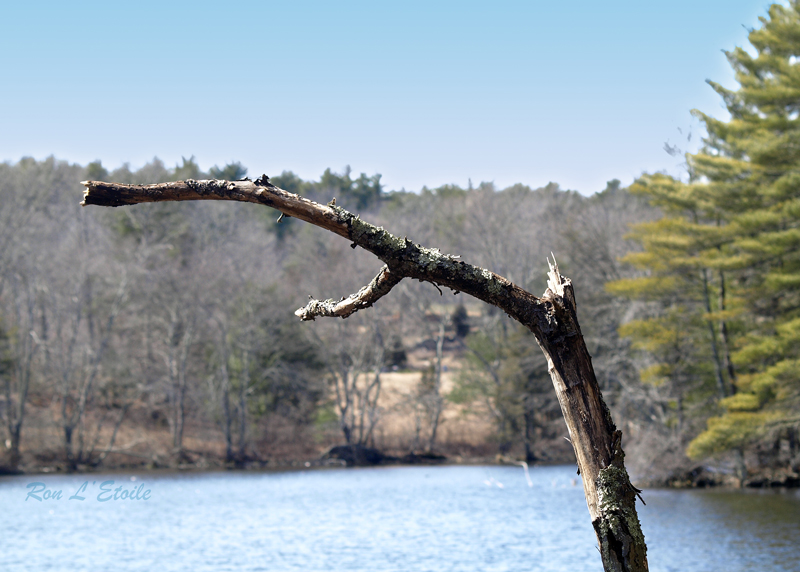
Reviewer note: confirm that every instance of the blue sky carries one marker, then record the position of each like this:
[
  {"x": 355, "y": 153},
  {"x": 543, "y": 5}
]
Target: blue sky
[{"x": 425, "y": 93}]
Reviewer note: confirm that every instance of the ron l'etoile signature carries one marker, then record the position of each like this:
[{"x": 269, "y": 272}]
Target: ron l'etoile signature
[{"x": 39, "y": 492}]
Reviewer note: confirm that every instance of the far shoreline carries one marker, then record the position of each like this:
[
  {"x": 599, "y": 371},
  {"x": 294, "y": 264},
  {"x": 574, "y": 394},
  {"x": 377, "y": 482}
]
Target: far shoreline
[{"x": 317, "y": 465}]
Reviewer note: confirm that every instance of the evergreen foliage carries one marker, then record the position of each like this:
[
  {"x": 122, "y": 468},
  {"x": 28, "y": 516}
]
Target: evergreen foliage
[{"x": 722, "y": 267}]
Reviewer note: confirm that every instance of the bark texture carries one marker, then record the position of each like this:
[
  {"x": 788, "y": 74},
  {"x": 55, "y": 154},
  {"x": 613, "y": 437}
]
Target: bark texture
[{"x": 552, "y": 318}]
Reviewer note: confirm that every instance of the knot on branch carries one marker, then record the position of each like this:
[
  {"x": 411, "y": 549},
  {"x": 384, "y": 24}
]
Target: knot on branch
[{"x": 263, "y": 181}]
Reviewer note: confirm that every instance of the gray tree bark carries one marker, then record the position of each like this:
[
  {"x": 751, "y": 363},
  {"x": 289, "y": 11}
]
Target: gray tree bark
[{"x": 610, "y": 496}]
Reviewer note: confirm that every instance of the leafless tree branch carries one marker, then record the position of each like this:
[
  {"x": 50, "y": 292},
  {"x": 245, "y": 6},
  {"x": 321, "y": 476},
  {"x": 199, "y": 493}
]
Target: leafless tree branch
[{"x": 364, "y": 298}]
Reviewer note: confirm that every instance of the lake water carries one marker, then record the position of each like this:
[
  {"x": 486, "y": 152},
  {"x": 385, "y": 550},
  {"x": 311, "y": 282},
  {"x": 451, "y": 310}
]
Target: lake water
[{"x": 407, "y": 519}]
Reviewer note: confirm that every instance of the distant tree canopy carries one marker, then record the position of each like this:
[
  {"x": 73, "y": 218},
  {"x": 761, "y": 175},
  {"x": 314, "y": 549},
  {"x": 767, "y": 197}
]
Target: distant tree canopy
[
  {"x": 182, "y": 308},
  {"x": 722, "y": 268}
]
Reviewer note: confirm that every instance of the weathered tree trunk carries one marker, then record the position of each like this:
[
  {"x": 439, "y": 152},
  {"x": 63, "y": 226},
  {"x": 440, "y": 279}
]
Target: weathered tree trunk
[
  {"x": 436, "y": 404},
  {"x": 552, "y": 318},
  {"x": 597, "y": 442}
]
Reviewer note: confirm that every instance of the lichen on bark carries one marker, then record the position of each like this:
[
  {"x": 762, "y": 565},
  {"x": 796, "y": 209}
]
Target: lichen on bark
[{"x": 622, "y": 542}]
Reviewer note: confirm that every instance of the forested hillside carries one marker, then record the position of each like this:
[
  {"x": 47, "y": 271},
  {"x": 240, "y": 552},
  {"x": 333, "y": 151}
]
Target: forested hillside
[{"x": 164, "y": 334}]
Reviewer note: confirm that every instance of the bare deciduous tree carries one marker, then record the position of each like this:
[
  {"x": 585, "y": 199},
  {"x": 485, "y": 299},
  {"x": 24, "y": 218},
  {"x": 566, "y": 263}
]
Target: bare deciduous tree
[
  {"x": 355, "y": 358},
  {"x": 19, "y": 343},
  {"x": 427, "y": 402},
  {"x": 83, "y": 306}
]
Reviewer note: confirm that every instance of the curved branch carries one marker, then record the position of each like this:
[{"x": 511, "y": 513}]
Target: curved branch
[
  {"x": 553, "y": 319},
  {"x": 364, "y": 298},
  {"x": 402, "y": 256},
  {"x": 260, "y": 191}
]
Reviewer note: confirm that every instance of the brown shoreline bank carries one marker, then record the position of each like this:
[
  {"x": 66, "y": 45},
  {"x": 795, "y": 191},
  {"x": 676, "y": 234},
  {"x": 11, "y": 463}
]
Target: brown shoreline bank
[{"x": 698, "y": 477}]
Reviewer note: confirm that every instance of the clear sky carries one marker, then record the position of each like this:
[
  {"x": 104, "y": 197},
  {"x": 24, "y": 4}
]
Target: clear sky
[{"x": 425, "y": 93}]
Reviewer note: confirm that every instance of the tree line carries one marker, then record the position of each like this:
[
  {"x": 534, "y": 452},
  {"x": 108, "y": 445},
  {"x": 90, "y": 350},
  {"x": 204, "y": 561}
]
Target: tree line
[{"x": 176, "y": 318}]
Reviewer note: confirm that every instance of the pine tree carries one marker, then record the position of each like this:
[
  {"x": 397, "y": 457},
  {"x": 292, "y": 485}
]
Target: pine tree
[
  {"x": 753, "y": 160},
  {"x": 686, "y": 328},
  {"x": 736, "y": 224}
]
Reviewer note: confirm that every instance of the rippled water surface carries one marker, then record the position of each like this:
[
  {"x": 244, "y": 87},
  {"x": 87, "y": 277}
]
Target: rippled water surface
[{"x": 406, "y": 518}]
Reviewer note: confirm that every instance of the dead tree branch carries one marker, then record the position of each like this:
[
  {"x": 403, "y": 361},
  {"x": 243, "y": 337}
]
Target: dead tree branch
[
  {"x": 364, "y": 298},
  {"x": 552, "y": 318}
]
